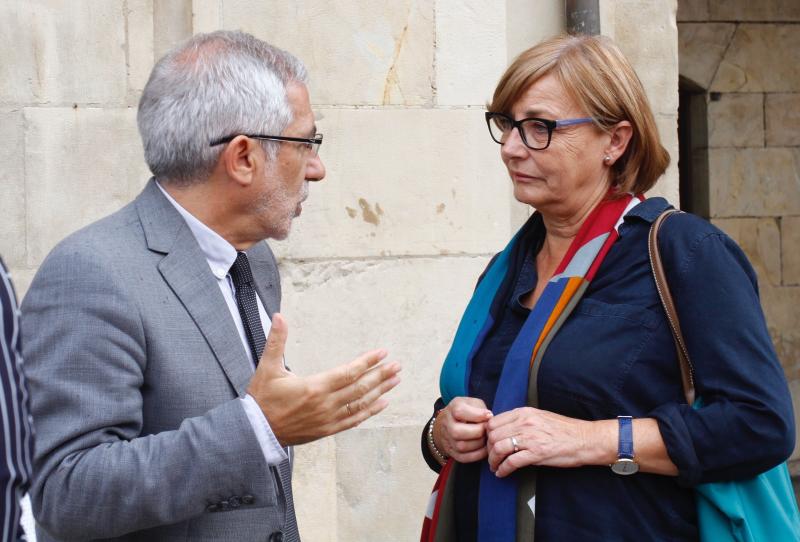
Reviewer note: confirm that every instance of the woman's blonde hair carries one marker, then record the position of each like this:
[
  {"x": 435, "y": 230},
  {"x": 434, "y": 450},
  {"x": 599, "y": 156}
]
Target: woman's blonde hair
[{"x": 601, "y": 81}]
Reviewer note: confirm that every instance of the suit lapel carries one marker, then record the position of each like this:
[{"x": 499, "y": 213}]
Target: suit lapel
[{"x": 185, "y": 268}]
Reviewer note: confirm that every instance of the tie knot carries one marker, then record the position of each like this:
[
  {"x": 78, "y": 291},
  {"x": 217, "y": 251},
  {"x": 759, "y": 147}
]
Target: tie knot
[{"x": 240, "y": 270}]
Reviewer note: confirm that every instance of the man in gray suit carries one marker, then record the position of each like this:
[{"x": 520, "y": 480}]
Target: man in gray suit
[{"x": 159, "y": 412}]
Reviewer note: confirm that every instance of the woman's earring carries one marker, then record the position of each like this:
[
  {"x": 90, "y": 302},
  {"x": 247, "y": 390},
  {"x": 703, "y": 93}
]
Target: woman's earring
[{"x": 606, "y": 159}]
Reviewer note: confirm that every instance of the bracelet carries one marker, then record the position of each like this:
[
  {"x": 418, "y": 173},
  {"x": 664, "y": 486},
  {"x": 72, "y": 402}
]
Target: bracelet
[{"x": 439, "y": 456}]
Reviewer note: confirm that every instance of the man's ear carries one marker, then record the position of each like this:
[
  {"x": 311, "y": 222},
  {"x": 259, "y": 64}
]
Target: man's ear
[
  {"x": 621, "y": 134},
  {"x": 239, "y": 160}
]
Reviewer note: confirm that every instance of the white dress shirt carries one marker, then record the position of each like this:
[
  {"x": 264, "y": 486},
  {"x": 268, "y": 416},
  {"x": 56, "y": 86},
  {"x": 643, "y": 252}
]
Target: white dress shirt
[{"x": 220, "y": 255}]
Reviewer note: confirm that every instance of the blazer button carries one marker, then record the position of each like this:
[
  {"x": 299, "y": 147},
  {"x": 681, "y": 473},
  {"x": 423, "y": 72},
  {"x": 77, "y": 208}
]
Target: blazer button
[
  {"x": 235, "y": 502},
  {"x": 277, "y": 536},
  {"x": 248, "y": 499},
  {"x": 223, "y": 505},
  {"x": 212, "y": 508}
]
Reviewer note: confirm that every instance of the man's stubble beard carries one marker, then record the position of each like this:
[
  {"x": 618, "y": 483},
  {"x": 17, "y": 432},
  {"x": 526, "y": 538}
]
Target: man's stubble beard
[{"x": 280, "y": 208}]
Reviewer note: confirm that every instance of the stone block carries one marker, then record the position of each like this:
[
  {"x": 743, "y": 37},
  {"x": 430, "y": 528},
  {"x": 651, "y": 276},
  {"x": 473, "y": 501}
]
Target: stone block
[
  {"x": 80, "y": 164},
  {"x": 206, "y": 15},
  {"x": 22, "y": 277},
  {"x": 790, "y": 250},
  {"x": 528, "y": 23},
  {"x": 314, "y": 490},
  {"x": 404, "y": 182},
  {"x": 760, "y": 238},
  {"x": 647, "y": 34},
  {"x": 357, "y": 53},
  {"x": 761, "y": 58},
  {"x": 140, "y": 46},
  {"x": 701, "y": 47},
  {"x": 692, "y": 10},
  {"x": 338, "y": 309},
  {"x": 780, "y": 307},
  {"x": 794, "y": 388},
  {"x": 172, "y": 23},
  {"x": 473, "y": 30},
  {"x": 700, "y": 50},
  {"x": 668, "y": 185},
  {"x": 12, "y": 187},
  {"x": 754, "y": 182},
  {"x": 736, "y": 120},
  {"x": 389, "y": 502},
  {"x": 783, "y": 120},
  {"x": 63, "y": 52},
  {"x": 760, "y": 11}
]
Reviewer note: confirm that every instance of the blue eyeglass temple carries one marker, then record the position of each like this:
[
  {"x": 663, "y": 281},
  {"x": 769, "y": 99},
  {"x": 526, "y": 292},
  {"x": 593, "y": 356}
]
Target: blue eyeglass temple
[{"x": 570, "y": 122}]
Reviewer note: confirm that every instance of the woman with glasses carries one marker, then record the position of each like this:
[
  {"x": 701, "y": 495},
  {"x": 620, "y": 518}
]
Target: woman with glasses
[{"x": 562, "y": 414}]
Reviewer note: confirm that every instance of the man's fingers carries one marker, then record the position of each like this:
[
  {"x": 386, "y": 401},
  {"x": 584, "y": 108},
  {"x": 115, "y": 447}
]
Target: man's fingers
[
  {"x": 346, "y": 374},
  {"x": 276, "y": 343},
  {"x": 365, "y": 393}
]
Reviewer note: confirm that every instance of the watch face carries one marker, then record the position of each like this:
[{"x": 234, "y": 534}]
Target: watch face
[{"x": 625, "y": 467}]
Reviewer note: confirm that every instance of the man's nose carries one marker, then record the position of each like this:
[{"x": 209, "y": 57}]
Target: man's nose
[{"x": 315, "y": 170}]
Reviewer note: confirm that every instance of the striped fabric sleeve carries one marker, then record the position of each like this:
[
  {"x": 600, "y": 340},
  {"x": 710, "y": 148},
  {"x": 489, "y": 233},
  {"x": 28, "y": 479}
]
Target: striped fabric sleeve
[{"x": 15, "y": 427}]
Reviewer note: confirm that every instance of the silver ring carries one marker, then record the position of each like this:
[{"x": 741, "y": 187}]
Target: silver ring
[
  {"x": 349, "y": 412},
  {"x": 515, "y": 444}
]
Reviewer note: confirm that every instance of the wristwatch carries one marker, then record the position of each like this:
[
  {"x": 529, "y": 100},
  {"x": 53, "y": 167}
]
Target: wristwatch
[{"x": 625, "y": 463}]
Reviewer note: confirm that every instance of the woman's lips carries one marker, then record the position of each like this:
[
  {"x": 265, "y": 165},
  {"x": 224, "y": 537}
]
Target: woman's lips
[{"x": 522, "y": 178}]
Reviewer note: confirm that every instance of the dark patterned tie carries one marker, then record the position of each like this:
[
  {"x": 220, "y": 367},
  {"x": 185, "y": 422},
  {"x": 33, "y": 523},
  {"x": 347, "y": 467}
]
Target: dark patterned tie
[{"x": 248, "y": 310}]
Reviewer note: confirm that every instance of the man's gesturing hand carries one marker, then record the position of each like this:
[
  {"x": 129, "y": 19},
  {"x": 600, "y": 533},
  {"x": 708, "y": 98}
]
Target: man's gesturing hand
[{"x": 303, "y": 409}]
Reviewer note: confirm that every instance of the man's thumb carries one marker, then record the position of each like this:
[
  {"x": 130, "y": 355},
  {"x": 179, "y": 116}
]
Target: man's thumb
[{"x": 276, "y": 342}]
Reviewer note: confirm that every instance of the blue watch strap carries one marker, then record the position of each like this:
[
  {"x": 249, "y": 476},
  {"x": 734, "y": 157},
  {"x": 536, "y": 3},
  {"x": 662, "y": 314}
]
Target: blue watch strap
[{"x": 625, "y": 437}]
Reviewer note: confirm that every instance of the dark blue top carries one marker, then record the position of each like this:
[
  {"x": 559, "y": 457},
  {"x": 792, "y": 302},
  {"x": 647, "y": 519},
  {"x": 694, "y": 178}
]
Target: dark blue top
[{"x": 615, "y": 356}]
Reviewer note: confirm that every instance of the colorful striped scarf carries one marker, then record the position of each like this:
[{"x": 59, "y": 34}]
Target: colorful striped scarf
[{"x": 502, "y": 501}]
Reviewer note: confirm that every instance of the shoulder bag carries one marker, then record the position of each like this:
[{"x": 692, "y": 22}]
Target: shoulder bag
[{"x": 762, "y": 508}]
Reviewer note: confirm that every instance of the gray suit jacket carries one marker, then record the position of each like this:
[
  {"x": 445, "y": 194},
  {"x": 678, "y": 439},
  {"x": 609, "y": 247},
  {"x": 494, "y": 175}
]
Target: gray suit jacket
[{"x": 134, "y": 365}]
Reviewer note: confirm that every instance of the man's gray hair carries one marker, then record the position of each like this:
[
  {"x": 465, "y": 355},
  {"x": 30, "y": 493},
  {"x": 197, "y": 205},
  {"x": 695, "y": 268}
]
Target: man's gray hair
[{"x": 211, "y": 86}]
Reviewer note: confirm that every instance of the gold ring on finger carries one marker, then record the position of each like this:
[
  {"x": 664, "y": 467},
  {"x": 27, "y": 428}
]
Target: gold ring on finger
[{"x": 349, "y": 410}]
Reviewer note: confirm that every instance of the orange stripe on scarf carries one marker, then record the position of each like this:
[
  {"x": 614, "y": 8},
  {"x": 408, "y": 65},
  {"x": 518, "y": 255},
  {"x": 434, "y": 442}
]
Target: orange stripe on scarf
[{"x": 573, "y": 283}]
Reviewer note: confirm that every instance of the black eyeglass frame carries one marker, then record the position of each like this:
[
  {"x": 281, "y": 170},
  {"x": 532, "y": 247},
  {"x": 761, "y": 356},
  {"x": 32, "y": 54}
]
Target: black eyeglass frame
[
  {"x": 313, "y": 143},
  {"x": 550, "y": 124}
]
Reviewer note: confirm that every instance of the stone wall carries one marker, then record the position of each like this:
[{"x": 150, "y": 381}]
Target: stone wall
[
  {"x": 743, "y": 54},
  {"x": 389, "y": 246}
]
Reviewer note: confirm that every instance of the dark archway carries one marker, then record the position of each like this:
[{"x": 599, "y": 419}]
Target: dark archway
[{"x": 693, "y": 148}]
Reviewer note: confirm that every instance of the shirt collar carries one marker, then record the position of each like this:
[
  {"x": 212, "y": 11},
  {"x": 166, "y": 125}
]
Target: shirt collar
[
  {"x": 649, "y": 209},
  {"x": 219, "y": 253}
]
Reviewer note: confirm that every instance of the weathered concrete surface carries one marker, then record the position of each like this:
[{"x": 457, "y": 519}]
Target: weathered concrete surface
[
  {"x": 368, "y": 52},
  {"x": 783, "y": 119},
  {"x": 702, "y": 47},
  {"x": 81, "y": 164},
  {"x": 400, "y": 182},
  {"x": 754, "y": 182},
  {"x": 12, "y": 181},
  {"x": 760, "y": 238},
  {"x": 468, "y": 82},
  {"x": 736, "y": 120},
  {"x": 748, "y": 10},
  {"x": 61, "y": 52},
  {"x": 790, "y": 250}
]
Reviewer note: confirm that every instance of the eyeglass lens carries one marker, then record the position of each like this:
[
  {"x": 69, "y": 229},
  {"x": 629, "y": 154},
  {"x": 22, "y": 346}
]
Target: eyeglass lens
[{"x": 535, "y": 133}]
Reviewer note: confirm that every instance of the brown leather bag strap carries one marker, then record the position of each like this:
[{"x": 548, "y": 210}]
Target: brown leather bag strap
[{"x": 687, "y": 372}]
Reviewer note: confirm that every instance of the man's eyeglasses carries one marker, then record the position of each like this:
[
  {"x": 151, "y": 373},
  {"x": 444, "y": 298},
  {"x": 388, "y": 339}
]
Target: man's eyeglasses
[
  {"x": 312, "y": 144},
  {"x": 534, "y": 132}
]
